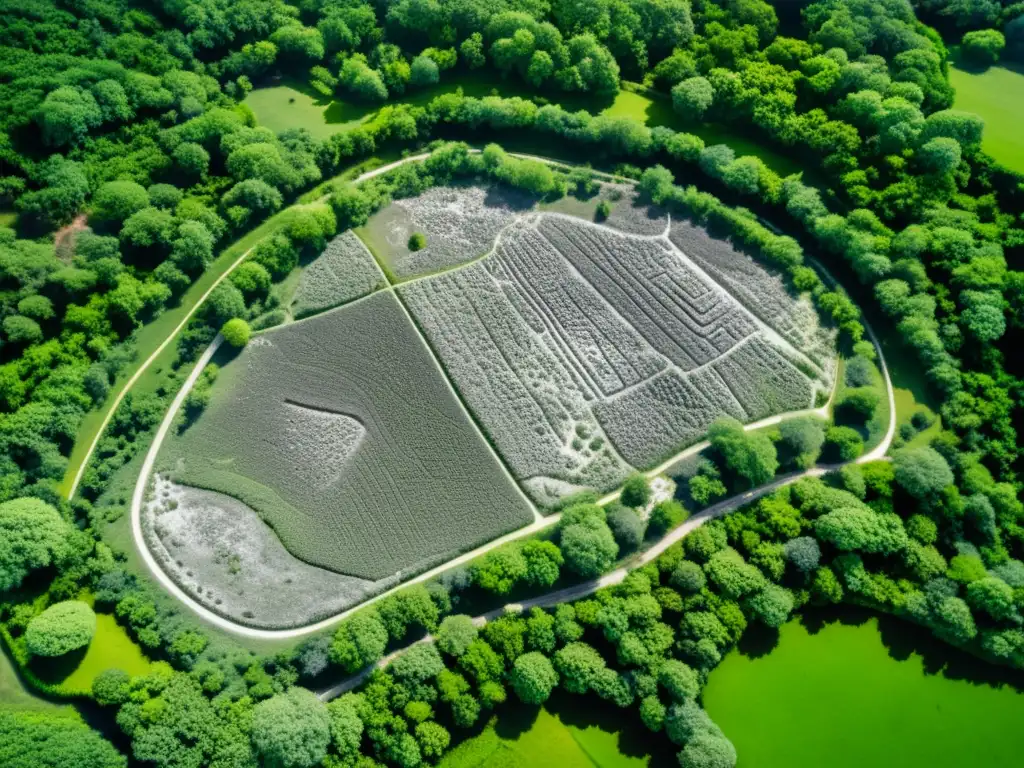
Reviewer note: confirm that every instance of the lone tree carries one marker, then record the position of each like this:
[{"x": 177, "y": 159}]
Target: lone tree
[
  {"x": 291, "y": 730},
  {"x": 60, "y": 629},
  {"x": 635, "y": 490},
  {"x": 417, "y": 241},
  {"x": 32, "y": 535},
  {"x": 236, "y": 332}
]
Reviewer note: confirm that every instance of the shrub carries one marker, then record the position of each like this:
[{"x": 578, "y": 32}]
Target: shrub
[
  {"x": 236, "y": 332},
  {"x": 417, "y": 241},
  {"x": 627, "y": 527},
  {"x": 983, "y": 46},
  {"x": 635, "y": 490},
  {"x": 843, "y": 444},
  {"x": 60, "y": 629}
]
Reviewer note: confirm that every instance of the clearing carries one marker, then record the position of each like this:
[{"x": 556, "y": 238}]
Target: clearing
[
  {"x": 341, "y": 432},
  {"x": 997, "y": 94}
]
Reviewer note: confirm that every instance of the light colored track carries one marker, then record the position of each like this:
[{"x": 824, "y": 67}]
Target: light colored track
[
  {"x": 112, "y": 407},
  {"x": 578, "y": 591},
  {"x": 228, "y": 625}
]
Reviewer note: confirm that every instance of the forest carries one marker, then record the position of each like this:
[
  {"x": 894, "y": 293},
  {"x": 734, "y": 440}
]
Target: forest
[{"x": 129, "y": 166}]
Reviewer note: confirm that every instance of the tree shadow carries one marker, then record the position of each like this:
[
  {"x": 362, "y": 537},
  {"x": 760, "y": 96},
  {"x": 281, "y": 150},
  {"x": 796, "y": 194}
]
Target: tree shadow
[
  {"x": 757, "y": 641},
  {"x": 515, "y": 721},
  {"x": 54, "y": 670},
  {"x": 634, "y": 739}
]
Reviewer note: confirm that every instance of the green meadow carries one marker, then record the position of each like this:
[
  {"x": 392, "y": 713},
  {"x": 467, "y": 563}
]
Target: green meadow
[
  {"x": 997, "y": 94},
  {"x": 856, "y": 690}
]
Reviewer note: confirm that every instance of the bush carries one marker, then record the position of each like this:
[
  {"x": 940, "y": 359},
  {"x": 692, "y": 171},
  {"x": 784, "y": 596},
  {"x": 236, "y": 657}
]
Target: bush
[
  {"x": 843, "y": 444},
  {"x": 635, "y": 490},
  {"x": 417, "y": 241},
  {"x": 236, "y": 332},
  {"x": 983, "y": 46},
  {"x": 627, "y": 527},
  {"x": 60, "y": 629}
]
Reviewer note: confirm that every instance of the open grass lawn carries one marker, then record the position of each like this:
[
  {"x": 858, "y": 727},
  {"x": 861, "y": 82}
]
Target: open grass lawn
[
  {"x": 997, "y": 94},
  {"x": 570, "y": 732},
  {"x": 849, "y": 689},
  {"x": 14, "y": 694},
  {"x": 910, "y": 388},
  {"x": 293, "y": 104},
  {"x": 110, "y": 647}
]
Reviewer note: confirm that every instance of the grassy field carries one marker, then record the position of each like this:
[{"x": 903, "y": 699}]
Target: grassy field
[
  {"x": 110, "y": 647},
  {"x": 293, "y": 105},
  {"x": 910, "y": 388},
  {"x": 343, "y": 434},
  {"x": 864, "y": 691},
  {"x": 14, "y": 694},
  {"x": 563, "y": 736},
  {"x": 150, "y": 336},
  {"x": 997, "y": 94}
]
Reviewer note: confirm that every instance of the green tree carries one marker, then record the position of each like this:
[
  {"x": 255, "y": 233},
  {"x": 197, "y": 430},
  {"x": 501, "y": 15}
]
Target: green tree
[
  {"x": 115, "y": 201},
  {"x": 578, "y": 666},
  {"x": 678, "y": 680},
  {"x": 921, "y": 472},
  {"x": 802, "y": 439},
  {"x": 533, "y": 678},
  {"x": 60, "y": 629},
  {"x": 236, "y": 332},
  {"x": 861, "y": 529},
  {"x": 693, "y": 97},
  {"x": 751, "y": 456},
  {"x": 346, "y": 726},
  {"x": 359, "y": 641},
  {"x": 35, "y": 739},
  {"x": 291, "y": 730},
  {"x": 771, "y": 605},
  {"x": 636, "y": 491},
  {"x": 843, "y": 444},
  {"x": 455, "y": 635},
  {"x": 32, "y": 535},
  {"x": 983, "y": 46}
]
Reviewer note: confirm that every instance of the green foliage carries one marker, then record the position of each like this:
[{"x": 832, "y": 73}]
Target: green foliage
[
  {"x": 34, "y": 739},
  {"x": 921, "y": 472},
  {"x": 236, "y": 332},
  {"x": 533, "y": 678},
  {"x": 291, "y": 730},
  {"x": 862, "y": 529},
  {"x": 983, "y": 46},
  {"x": 750, "y": 455},
  {"x": 417, "y": 241},
  {"x": 636, "y": 491},
  {"x": 60, "y": 629},
  {"x": 843, "y": 444},
  {"x": 455, "y": 634},
  {"x": 32, "y": 535}
]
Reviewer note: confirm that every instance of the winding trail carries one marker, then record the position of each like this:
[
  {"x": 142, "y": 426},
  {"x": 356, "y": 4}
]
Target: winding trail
[
  {"x": 551, "y": 598},
  {"x": 112, "y": 406}
]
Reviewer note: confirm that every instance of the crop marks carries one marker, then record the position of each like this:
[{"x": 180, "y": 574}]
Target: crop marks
[
  {"x": 585, "y": 352},
  {"x": 343, "y": 272},
  {"x": 342, "y": 434}
]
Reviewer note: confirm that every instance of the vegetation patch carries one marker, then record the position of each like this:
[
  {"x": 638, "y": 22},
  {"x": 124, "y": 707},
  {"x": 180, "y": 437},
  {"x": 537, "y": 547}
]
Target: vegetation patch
[
  {"x": 343, "y": 272},
  {"x": 457, "y": 224},
  {"x": 342, "y": 434},
  {"x": 997, "y": 95},
  {"x": 586, "y": 353},
  {"x": 225, "y": 557}
]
